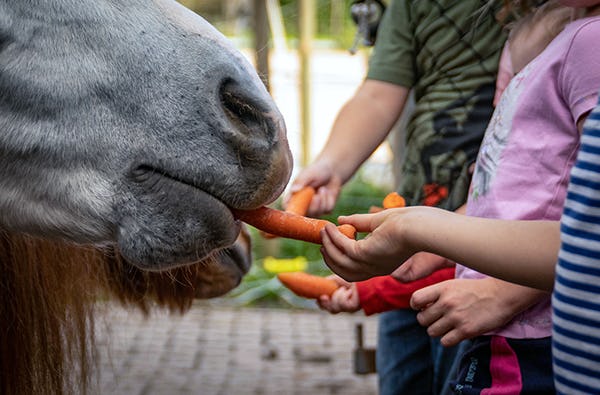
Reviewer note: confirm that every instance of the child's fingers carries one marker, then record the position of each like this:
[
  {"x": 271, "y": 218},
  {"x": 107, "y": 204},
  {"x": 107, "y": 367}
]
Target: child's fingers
[
  {"x": 347, "y": 257},
  {"x": 329, "y": 305},
  {"x": 335, "y": 303},
  {"x": 343, "y": 243},
  {"x": 324, "y": 302},
  {"x": 362, "y": 222},
  {"x": 429, "y": 315},
  {"x": 425, "y": 297},
  {"x": 452, "y": 338},
  {"x": 440, "y": 326},
  {"x": 333, "y": 257},
  {"x": 418, "y": 266},
  {"x": 337, "y": 261},
  {"x": 365, "y": 222},
  {"x": 337, "y": 300},
  {"x": 348, "y": 300}
]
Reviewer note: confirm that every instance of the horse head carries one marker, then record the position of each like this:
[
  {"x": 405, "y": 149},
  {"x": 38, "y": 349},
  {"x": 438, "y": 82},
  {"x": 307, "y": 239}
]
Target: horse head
[{"x": 133, "y": 124}]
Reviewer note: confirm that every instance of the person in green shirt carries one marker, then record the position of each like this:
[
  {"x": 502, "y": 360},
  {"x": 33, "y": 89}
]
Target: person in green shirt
[{"x": 447, "y": 53}]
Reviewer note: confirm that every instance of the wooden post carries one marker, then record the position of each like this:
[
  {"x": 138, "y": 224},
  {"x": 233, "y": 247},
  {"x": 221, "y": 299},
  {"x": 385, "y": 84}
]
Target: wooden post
[
  {"x": 261, "y": 41},
  {"x": 307, "y": 27}
]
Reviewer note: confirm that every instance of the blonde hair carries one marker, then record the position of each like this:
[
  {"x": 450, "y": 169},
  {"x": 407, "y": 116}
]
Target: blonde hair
[{"x": 534, "y": 15}]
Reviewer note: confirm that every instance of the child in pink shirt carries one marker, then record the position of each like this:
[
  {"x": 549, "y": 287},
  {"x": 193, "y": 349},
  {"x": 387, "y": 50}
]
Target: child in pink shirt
[{"x": 521, "y": 177}]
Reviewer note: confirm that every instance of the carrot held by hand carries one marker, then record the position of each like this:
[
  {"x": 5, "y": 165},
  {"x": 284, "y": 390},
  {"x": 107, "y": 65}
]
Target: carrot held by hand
[
  {"x": 393, "y": 200},
  {"x": 298, "y": 203},
  {"x": 292, "y": 226},
  {"x": 308, "y": 285}
]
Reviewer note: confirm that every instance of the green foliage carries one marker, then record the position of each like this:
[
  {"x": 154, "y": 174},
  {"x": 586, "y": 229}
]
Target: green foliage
[
  {"x": 261, "y": 288},
  {"x": 339, "y": 29}
]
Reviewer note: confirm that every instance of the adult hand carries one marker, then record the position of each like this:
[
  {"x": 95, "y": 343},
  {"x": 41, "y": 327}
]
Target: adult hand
[
  {"x": 322, "y": 176},
  {"x": 464, "y": 308}
]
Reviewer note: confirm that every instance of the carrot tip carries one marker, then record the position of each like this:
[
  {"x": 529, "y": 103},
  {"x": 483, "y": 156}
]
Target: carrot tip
[
  {"x": 348, "y": 230},
  {"x": 393, "y": 200}
]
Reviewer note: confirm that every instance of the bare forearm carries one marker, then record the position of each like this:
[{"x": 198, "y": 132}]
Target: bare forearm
[
  {"x": 362, "y": 125},
  {"x": 523, "y": 252}
]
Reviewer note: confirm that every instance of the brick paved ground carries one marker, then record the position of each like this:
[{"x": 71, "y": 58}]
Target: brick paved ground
[{"x": 221, "y": 350}]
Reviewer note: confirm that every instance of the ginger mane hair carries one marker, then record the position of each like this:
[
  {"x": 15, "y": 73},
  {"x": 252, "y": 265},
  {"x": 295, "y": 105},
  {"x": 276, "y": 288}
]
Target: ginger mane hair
[{"x": 49, "y": 294}]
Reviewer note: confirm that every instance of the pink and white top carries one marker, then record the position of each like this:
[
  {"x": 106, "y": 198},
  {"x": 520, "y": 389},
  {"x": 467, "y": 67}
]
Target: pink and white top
[{"x": 531, "y": 143}]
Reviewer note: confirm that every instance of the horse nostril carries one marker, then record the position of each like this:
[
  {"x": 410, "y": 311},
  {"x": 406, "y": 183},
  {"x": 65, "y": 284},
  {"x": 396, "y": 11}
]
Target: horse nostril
[{"x": 243, "y": 111}]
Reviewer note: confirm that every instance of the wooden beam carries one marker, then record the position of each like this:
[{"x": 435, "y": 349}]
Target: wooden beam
[{"x": 307, "y": 19}]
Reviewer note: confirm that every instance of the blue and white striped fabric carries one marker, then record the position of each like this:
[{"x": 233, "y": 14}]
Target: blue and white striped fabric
[{"x": 576, "y": 297}]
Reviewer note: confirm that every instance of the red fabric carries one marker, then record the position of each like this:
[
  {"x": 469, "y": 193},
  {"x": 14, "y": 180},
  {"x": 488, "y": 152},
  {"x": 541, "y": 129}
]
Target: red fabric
[{"x": 385, "y": 293}]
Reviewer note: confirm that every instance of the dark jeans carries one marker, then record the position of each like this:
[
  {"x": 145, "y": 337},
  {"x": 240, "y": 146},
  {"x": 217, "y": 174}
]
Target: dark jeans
[{"x": 409, "y": 361}]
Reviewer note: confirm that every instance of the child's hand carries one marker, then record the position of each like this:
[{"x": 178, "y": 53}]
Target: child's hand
[
  {"x": 345, "y": 299},
  {"x": 420, "y": 265},
  {"x": 462, "y": 309},
  {"x": 378, "y": 254}
]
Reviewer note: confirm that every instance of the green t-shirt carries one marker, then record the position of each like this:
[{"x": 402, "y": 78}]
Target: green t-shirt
[{"x": 448, "y": 53}]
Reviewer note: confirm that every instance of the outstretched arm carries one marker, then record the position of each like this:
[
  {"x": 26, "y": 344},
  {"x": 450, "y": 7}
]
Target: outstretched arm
[
  {"x": 522, "y": 252},
  {"x": 361, "y": 126}
]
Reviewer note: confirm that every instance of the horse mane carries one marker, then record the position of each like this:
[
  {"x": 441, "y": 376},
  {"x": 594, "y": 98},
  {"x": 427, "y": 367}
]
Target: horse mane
[{"x": 49, "y": 292}]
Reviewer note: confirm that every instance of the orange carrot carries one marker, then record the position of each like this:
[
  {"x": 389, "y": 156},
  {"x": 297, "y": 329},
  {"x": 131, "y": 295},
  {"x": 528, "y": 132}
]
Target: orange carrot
[
  {"x": 292, "y": 226},
  {"x": 300, "y": 201},
  {"x": 298, "y": 204},
  {"x": 393, "y": 200},
  {"x": 307, "y": 285}
]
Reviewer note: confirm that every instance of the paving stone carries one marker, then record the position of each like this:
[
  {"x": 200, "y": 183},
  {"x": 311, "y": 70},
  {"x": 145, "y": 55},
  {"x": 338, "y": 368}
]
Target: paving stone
[{"x": 225, "y": 350}]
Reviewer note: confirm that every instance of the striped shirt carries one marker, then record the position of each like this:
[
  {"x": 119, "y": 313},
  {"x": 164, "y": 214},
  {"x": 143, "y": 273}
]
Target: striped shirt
[{"x": 576, "y": 297}]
